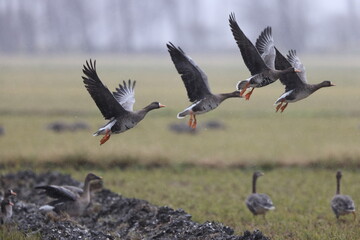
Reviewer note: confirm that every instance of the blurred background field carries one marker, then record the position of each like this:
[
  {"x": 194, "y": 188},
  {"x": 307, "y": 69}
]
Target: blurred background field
[{"x": 38, "y": 91}]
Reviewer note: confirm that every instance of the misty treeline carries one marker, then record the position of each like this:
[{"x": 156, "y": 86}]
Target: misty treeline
[{"x": 135, "y": 26}]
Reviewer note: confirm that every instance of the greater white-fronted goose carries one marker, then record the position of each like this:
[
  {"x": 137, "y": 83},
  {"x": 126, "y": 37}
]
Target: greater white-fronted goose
[
  {"x": 8, "y": 193},
  {"x": 342, "y": 204},
  {"x": 258, "y": 203},
  {"x": 68, "y": 199},
  {"x": 117, "y": 107},
  {"x": 197, "y": 86},
  {"x": 296, "y": 85},
  {"x": 6, "y": 210},
  {"x": 260, "y": 60}
]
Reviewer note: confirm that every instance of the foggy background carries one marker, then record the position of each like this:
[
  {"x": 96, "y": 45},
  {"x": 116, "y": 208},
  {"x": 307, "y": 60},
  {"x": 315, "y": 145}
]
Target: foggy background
[{"x": 129, "y": 26}]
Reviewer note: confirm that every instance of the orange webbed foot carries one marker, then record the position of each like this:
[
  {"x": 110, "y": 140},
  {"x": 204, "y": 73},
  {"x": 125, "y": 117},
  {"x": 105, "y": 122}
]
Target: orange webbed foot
[
  {"x": 190, "y": 123},
  {"x": 106, "y": 137},
  {"x": 244, "y": 89},
  {"x": 193, "y": 126},
  {"x": 279, "y": 106},
  {"x": 247, "y": 96},
  {"x": 283, "y": 107}
]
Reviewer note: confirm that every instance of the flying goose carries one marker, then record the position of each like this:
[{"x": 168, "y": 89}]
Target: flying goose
[
  {"x": 296, "y": 85},
  {"x": 260, "y": 60},
  {"x": 342, "y": 204},
  {"x": 70, "y": 200},
  {"x": 117, "y": 107},
  {"x": 258, "y": 203},
  {"x": 197, "y": 86}
]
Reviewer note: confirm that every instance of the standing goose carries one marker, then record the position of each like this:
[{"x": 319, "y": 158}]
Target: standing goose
[
  {"x": 6, "y": 210},
  {"x": 260, "y": 60},
  {"x": 258, "y": 203},
  {"x": 69, "y": 200},
  {"x": 296, "y": 86},
  {"x": 8, "y": 193},
  {"x": 197, "y": 87},
  {"x": 117, "y": 107},
  {"x": 342, "y": 204}
]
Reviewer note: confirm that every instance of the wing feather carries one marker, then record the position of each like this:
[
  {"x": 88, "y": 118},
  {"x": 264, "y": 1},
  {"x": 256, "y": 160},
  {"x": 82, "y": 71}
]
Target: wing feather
[
  {"x": 294, "y": 60},
  {"x": 101, "y": 95},
  {"x": 58, "y": 192},
  {"x": 125, "y": 95},
  {"x": 195, "y": 80},
  {"x": 251, "y": 56},
  {"x": 290, "y": 80},
  {"x": 266, "y": 47}
]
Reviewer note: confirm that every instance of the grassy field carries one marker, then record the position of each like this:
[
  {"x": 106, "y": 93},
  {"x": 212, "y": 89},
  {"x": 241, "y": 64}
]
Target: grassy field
[{"x": 207, "y": 174}]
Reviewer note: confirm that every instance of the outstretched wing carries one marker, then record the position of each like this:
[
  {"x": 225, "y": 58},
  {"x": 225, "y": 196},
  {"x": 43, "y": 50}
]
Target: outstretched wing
[
  {"x": 194, "y": 78},
  {"x": 294, "y": 60},
  {"x": 101, "y": 95},
  {"x": 125, "y": 95},
  {"x": 290, "y": 80},
  {"x": 266, "y": 47},
  {"x": 58, "y": 192},
  {"x": 251, "y": 56}
]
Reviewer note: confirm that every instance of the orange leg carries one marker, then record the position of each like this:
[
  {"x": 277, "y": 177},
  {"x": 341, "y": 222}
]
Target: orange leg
[
  {"x": 247, "y": 96},
  {"x": 106, "y": 137},
  {"x": 354, "y": 215},
  {"x": 244, "y": 89},
  {"x": 279, "y": 106},
  {"x": 283, "y": 107},
  {"x": 190, "y": 123},
  {"x": 193, "y": 126}
]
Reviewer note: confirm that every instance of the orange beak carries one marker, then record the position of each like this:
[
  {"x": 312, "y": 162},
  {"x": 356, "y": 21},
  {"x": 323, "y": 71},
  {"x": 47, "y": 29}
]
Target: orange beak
[
  {"x": 297, "y": 70},
  {"x": 161, "y": 105},
  {"x": 332, "y": 84},
  {"x": 13, "y": 193}
]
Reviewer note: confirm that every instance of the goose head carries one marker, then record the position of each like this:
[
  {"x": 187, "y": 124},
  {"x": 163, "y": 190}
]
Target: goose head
[
  {"x": 327, "y": 84},
  {"x": 9, "y": 193}
]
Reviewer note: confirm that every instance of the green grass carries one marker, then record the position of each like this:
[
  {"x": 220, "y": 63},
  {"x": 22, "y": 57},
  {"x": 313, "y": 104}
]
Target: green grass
[
  {"x": 301, "y": 196},
  {"x": 208, "y": 174}
]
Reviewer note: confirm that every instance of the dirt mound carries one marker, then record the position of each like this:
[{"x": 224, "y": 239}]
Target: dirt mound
[{"x": 110, "y": 215}]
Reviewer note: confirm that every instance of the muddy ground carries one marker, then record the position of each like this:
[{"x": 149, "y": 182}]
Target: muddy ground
[{"x": 110, "y": 216}]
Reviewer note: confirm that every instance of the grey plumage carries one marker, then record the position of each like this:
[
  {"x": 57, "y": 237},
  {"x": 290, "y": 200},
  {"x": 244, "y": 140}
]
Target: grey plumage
[
  {"x": 6, "y": 211},
  {"x": 341, "y": 204},
  {"x": 6, "y": 206},
  {"x": 197, "y": 86},
  {"x": 69, "y": 199},
  {"x": 296, "y": 86},
  {"x": 258, "y": 203},
  {"x": 259, "y": 60},
  {"x": 116, "y": 107}
]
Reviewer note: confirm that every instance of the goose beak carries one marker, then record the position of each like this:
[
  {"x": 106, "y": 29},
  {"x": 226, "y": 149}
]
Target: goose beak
[
  {"x": 13, "y": 193},
  {"x": 331, "y": 84},
  {"x": 297, "y": 70},
  {"x": 11, "y": 204},
  {"x": 161, "y": 105}
]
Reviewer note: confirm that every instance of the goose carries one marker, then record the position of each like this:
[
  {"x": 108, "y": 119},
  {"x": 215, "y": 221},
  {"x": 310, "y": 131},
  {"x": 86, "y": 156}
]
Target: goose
[
  {"x": 296, "y": 85},
  {"x": 8, "y": 193},
  {"x": 197, "y": 86},
  {"x": 258, "y": 203},
  {"x": 6, "y": 210},
  {"x": 342, "y": 204},
  {"x": 117, "y": 107},
  {"x": 260, "y": 60},
  {"x": 68, "y": 199}
]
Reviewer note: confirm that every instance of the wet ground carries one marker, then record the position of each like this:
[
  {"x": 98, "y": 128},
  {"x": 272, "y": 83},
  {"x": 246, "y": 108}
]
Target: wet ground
[{"x": 110, "y": 216}]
